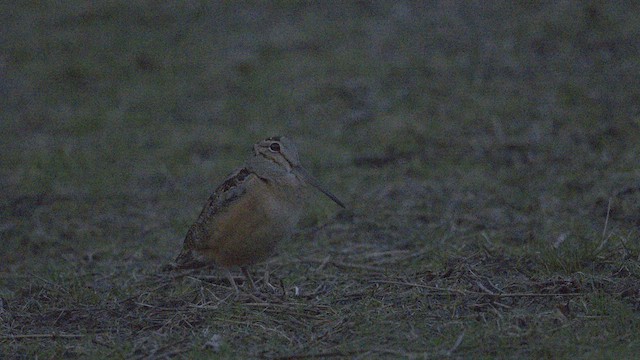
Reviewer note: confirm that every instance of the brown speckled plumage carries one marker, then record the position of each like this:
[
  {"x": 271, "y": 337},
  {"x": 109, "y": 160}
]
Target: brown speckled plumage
[{"x": 258, "y": 205}]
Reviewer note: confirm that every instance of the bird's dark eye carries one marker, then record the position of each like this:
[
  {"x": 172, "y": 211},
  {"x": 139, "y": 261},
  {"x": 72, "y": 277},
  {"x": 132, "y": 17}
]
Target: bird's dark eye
[{"x": 275, "y": 147}]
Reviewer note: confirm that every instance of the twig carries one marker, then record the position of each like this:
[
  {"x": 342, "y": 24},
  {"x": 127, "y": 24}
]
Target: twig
[
  {"x": 339, "y": 264},
  {"x": 355, "y": 266},
  {"x": 321, "y": 355},
  {"x": 16, "y": 276},
  {"x": 447, "y": 290},
  {"x": 505, "y": 306},
  {"x": 391, "y": 253},
  {"x": 467, "y": 292},
  {"x": 287, "y": 305},
  {"x": 481, "y": 286},
  {"x": 40, "y": 336}
]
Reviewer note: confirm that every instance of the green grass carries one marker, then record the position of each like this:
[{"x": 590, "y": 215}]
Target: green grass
[{"x": 488, "y": 154}]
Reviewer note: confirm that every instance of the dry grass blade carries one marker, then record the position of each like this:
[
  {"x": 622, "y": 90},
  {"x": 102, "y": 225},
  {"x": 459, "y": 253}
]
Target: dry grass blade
[{"x": 51, "y": 336}]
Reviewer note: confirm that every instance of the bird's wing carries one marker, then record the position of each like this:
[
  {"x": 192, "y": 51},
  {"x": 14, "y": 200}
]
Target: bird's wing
[
  {"x": 199, "y": 234},
  {"x": 228, "y": 192}
]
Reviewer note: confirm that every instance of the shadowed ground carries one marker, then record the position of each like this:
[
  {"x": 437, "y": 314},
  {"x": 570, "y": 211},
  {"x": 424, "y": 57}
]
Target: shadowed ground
[{"x": 488, "y": 155}]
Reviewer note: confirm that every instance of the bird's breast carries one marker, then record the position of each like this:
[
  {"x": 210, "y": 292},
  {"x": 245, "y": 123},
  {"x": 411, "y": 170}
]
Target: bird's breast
[{"x": 249, "y": 230}]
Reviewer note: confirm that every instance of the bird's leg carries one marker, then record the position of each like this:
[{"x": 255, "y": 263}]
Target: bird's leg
[
  {"x": 266, "y": 277},
  {"x": 247, "y": 276},
  {"x": 231, "y": 281}
]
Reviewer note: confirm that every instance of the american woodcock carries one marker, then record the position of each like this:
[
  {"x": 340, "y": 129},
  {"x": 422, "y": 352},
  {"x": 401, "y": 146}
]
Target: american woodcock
[{"x": 258, "y": 205}]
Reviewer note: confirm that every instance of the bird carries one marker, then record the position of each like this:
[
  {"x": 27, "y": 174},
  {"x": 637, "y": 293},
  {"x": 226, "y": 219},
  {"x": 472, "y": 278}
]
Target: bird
[{"x": 255, "y": 207}]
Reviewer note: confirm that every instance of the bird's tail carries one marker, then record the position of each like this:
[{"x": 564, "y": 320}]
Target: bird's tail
[{"x": 187, "y": 259}]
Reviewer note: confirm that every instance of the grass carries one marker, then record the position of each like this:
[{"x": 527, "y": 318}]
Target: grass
[{"x": 488, "y": 154}]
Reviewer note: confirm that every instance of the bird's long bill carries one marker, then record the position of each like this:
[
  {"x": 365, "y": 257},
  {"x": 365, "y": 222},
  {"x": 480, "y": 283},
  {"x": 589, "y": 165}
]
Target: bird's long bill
[{"x": 312, "y": 181}]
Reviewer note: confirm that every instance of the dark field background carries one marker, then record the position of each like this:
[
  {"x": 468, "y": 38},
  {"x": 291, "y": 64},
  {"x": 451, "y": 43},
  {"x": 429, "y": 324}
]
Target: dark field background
[{"x": 488, "y": 153}]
